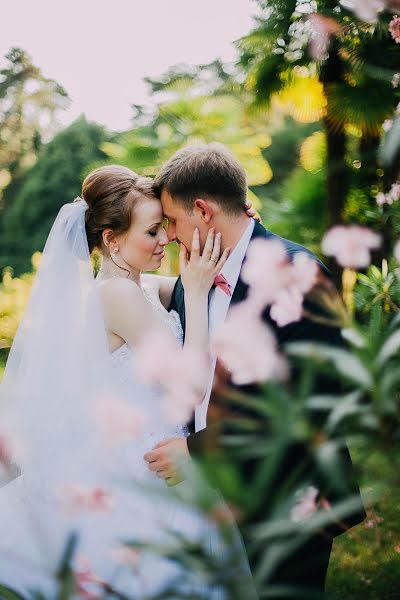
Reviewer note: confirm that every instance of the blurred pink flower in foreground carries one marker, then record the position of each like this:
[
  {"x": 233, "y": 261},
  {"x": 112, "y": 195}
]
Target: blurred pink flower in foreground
[
  {"x": 117, "y": 419},
  {"x": 321, "y": 30},
  {"x": 267, "y": 270},
  {"x": 181, "y": 374},
  {"x": 288, "y": 307},
  {"x": 394, "y": 28},
  {"x": 305, "y": 271},
  {"x": 248, "y": 348},
  {"x": 273, "y": 279},
  {"x": 78, "y": 497},
  {"x": 87, "y": 582},
  {"x": 392, "y": 196},
  {"x": 387, "y": 125},
  {"x": 350, "y": 245},
  {"x": 365, "y": 10},
  {"x": 396, "y": 80},
  {"x": 397, "y": 251},
  {"x": 381, "y": 199},
  {"x": 306, "y": 504}
]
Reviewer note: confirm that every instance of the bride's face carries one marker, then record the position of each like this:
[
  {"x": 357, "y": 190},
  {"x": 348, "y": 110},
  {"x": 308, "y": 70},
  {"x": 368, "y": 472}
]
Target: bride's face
[{"x": 142, "y": 246}]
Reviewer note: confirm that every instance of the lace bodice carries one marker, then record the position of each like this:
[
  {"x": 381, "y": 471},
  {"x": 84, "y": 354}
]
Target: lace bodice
[
  {"x": 123, "y": 360},
  {"x": 123, "y": 354}
]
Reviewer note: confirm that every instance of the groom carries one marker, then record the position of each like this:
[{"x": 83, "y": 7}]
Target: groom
[{"x": 204, "y": 186}]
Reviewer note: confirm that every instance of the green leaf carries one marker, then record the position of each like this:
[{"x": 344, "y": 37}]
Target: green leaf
[
  {"x": 7, "y": 593},
  {"x": 389, "y": 348},
  {"x": 347, "y": 364}
]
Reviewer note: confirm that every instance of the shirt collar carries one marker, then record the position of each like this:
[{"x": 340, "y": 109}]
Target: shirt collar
[{"x": 231, "y": 268}]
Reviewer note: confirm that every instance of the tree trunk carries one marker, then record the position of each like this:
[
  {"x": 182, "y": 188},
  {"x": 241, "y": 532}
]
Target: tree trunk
[{"x": 337, "y": 173}]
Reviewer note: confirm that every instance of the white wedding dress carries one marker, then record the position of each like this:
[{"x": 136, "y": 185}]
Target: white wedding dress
[{"x": 55, "y": 412}]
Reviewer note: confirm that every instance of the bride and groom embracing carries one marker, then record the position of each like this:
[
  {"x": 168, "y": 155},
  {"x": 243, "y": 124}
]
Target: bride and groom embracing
[{"x": 72, "y": 375}]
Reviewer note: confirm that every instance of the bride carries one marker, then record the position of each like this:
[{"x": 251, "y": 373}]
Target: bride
[{"x": 76, "y": 418}]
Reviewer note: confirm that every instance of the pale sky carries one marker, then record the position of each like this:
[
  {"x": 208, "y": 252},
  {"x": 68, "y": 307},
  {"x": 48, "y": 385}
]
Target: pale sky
[{"x": 100, "y": 51}]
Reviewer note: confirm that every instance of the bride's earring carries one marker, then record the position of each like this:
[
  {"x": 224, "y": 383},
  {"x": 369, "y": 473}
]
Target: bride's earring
[{"x": 114, "y": 257}]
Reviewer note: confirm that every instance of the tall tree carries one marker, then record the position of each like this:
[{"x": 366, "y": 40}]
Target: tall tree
[
  {"x": 29, "y": 103},
  {"x": 354, "y": 62},
  {"x": 56, "y": 178}
]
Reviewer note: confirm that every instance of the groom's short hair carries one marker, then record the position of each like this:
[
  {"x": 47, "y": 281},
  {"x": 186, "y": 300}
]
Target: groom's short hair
[{"x": 207, "y": 171}]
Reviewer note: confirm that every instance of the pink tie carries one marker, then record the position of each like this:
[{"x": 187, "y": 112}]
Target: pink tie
[{"x": 222, "y": 283}]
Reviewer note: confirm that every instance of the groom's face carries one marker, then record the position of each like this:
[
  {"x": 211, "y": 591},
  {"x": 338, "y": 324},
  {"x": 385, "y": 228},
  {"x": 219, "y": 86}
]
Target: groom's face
[{"x": 181, "y": 223}]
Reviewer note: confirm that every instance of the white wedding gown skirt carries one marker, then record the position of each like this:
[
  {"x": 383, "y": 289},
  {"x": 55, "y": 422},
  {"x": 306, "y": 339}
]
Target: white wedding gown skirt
[{"x": 34, "y": 526}]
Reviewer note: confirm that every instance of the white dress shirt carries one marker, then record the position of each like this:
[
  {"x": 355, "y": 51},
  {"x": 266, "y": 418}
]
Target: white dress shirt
[{"x": 217, "y": 311}]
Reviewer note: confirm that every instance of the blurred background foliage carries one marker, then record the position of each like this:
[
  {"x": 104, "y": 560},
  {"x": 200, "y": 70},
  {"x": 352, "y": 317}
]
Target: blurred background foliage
[{"x": 308, "y": 124}]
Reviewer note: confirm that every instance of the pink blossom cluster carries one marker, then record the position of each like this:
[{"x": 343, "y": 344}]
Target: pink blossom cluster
[
  {"x": 392, "y": 196},
  {"x": 396, "y": 80},
  {"x": 87, "y": 583},
  {"x": 248, "y": 347},
  {"x": 365, "y": 10},
  {"x": 394, "y": 28},
  {"x": 181, "y": 374},
  {"x": 351, "y": 245},
  {"x": 244, "y": 343},
  {"x": 285, "y": 283},
  {"x": 321, "y": 30}
]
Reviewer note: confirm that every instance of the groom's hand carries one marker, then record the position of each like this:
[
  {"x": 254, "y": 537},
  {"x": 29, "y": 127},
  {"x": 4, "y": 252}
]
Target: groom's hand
[{"x": 166, "y": 457}]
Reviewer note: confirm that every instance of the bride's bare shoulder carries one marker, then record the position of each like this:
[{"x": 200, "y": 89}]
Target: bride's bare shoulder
[
  {"x": 162, "y": 285},
  {"x": 119, "y": 291}
]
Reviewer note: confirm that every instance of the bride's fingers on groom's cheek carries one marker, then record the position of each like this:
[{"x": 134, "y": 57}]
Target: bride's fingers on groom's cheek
[
  {"x": 195, "y": 250},
  {"x": 216, "y": 251},
  {"x": 223, "y": 259},
  {"x": 208, "y": 246},
  {"x": 183, "y": 258}
]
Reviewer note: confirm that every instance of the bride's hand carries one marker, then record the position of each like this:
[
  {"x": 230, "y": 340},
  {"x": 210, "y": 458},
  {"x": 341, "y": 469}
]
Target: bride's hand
[
  {"x": 199, "y": 271},
  {"x": 250, "y": 211}
]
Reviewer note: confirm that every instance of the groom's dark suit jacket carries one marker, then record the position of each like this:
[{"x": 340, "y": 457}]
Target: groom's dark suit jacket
[{"x": 299, "y": 331}]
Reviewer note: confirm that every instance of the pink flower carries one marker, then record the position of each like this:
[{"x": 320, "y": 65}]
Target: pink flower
[
  {"x": 350, "y": 245},
  {"x": 387, "y": 125},
  {"x": 397, "y": 251},
  {"x": 394, "y": 28},
  {"x": 395, "y": 192},
  {"x": 306, "y": 505},
  {"x": 365, "y": 10},
  {"x": 118, "y": 420},
  {"x": 248, "y": 348},
  {"x": 267, "y": 270},
  {"x": 321, "y": 30},
  {"x": 288, "y": 307},
  {"x": 180, "y": 374},
  {"x": 396, "y": 80},
  {"x": 79, "y": 497},
  {"x": 87, "y": 582},
  {"x": 273, "y": 279},
  {"x": 381, "y": 199},
  {"x": 305, "y": 272}
]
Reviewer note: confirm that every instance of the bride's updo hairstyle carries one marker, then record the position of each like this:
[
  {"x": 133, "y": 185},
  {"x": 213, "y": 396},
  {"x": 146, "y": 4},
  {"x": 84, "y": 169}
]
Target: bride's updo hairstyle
[{"x": 112, "y": 193}]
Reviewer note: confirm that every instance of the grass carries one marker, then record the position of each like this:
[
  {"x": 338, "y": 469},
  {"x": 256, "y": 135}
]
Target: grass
[{"x": 365, "y": 561}]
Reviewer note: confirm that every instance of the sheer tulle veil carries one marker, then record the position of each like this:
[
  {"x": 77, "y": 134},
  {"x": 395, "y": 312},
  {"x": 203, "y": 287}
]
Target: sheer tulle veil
[{"x": 58, "y": 364}]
